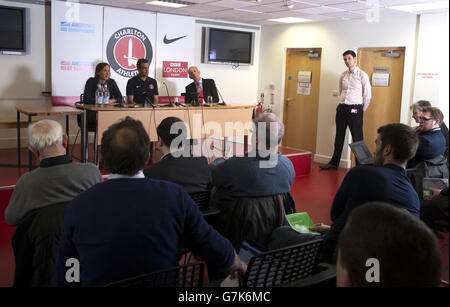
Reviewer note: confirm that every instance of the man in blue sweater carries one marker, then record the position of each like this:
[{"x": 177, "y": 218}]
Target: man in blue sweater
[
  {"x": 431, "y": 140},
  {"x": 261, "y": 172},
  {"x": 130, "y": 225},
  {"x": 386, "y": 181}
]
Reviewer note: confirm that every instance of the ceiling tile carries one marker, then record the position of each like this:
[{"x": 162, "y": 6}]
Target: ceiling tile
[
  {"x": 116, "y": 3},
  {"x": 347, "y": 15},
  {"x": 320, "y": 10},
  {"x": 386, "y": 12},
  {"x": 354, "y": 5},
  {"x": 152, "y": 8},
  {"x": 268, "y": 1},
  {"x": 262, "y": 8},
  {"x": 325, "y": 2},
  {"x": 295, "y": 5},
  {"x": 233, "y": 3},
  {"x": 402, "y": 2}
]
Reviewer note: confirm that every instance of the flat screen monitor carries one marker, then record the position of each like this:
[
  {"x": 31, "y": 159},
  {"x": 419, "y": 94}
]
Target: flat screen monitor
[
  {"x": 12, "y": 29},
  {"x": 229, "y": 46}
]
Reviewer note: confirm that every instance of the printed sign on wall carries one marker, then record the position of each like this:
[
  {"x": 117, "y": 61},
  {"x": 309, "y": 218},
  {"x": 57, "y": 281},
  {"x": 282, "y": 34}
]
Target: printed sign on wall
[
  {"x": 77, "y": 31},
  {"x": 128, "y": 35},
  {"x": 173, "y": 69},
  {"x": 175, "y": 45}
]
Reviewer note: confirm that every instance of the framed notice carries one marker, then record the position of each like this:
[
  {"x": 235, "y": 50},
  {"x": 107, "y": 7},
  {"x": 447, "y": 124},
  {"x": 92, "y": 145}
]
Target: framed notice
[{"x": 380, "y": 79}]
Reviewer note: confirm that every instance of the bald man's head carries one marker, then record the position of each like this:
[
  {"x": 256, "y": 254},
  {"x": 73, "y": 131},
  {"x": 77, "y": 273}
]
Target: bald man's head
[{"x": 194, "y": 73}]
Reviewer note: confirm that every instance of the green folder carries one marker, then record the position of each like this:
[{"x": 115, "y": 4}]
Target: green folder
[{"x": 300, "y": 222}]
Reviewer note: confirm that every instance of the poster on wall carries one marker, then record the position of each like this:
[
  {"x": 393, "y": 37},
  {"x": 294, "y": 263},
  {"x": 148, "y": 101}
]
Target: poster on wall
[
  {"x": 175, "y": 45},
  {"x": 128, "y": 35},
  {"x": 380, "y": 79},
  {"x": 77, "y": 31}
]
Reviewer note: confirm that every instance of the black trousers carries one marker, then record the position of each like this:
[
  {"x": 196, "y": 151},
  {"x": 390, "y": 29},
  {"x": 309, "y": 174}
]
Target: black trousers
[{"x": 344, "y": 118}]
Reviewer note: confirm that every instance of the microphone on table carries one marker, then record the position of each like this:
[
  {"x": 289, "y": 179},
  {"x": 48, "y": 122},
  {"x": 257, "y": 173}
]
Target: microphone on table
[{"x": 168, "y": 96}]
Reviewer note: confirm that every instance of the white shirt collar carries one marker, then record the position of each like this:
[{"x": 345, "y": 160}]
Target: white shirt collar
[
  {"x": 139, "y": 175},
  {"x": 354, "y": 70}
]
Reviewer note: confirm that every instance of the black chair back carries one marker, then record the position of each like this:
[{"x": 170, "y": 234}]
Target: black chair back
[
  {"x": 188, "y": 275},
  {"x": 201, "y": 199},
  {"x": 283, "y": 266}
]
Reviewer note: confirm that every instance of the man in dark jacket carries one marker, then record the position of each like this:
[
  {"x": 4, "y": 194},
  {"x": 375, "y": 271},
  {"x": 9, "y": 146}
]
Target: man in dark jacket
[
  {"x": 202, "y": 87},
  {"x": 192, "y": 173},
  {"x": 431, "y": 139}
]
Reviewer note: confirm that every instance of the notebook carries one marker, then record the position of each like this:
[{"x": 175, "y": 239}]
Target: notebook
[
  {"x": 300, "y": 222},
  {"x": 361, "y": 152}
]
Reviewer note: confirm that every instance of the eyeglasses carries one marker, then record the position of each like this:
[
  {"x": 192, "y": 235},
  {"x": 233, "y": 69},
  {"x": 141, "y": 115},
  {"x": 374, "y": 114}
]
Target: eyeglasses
[{"x": 425, "y": 119}]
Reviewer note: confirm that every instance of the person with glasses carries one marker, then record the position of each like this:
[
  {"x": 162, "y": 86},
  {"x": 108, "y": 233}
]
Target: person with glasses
[
  {"x": 431, "y": 139},
  {"x": 417, "y": 110}
]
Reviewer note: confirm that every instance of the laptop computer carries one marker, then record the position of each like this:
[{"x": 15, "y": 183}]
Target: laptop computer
[{"x": 362, "y": 153}]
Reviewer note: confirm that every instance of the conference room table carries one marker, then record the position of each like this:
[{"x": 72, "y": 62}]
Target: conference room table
[{"x": 215, "y": 121}]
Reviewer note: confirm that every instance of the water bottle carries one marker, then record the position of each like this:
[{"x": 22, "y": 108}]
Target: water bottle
[
  {"x": 262, "y": 98},
  {"x": 105, "y": 95},
  {"x": 99, "y": 95}
]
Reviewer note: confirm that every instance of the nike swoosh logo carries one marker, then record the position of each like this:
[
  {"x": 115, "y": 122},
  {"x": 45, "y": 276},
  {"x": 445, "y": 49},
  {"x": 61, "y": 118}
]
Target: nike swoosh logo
[{"x": 170, "y": 41}]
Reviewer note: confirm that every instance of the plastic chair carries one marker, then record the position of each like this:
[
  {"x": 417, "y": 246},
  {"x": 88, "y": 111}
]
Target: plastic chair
[
  {"x": 189, "y": 275},
  {"x": 201, "y": 199},
  {"x": 289, "y": 265}
]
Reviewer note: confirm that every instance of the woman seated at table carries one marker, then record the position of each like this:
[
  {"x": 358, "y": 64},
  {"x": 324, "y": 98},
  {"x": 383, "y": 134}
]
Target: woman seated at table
[{"x": 102, "y": 78}]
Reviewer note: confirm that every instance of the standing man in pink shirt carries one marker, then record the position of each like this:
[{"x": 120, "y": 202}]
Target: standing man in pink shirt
[{"x": 354, "y": 99}]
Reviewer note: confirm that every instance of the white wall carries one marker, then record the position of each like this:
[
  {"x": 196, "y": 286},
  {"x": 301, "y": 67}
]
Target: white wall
[
  {"x": 431, "y": 79},
  {"x": 25, "y": 77},
  {"x": 334, "y": 38}
]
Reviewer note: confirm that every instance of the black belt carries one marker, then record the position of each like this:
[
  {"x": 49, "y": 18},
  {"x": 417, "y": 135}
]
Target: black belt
[{"x": 351, "y": 105}]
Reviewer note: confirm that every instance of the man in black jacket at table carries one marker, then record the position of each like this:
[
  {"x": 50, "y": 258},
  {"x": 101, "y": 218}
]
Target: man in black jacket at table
[{"x": 202, "y": 87}]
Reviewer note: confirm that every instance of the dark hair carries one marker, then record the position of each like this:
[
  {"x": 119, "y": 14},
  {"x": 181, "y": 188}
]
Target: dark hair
[
  {"x": 402, "y": 138},
  {"x": 421, "y": 104},
  {"x": 351, "y": 52},
  {"x": 435, "y": 113},
  {"x": 140, "y": 62},
  {"x": 125, "y": 147},
  {"x": 163, "y": 130},
  {"x": 99, "y": 68},
  {"x": 405, "y": 247}
]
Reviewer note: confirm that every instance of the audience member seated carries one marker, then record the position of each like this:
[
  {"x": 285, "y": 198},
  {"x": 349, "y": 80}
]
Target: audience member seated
[
  {"x": 261, "y": 172},
  {"x": 101, "y": 79},
  {"x": 383, "y": 246},
  {"x": 386, "y": 181},
  {"x": 130, "y": 225},
  {"x": 192, "y": 173},
  {"x": 418, "y": 108},
  {"x": 431, "y": 139},
  {"x": 39, "y": 200},
  {"x": 435, "y": 211}
]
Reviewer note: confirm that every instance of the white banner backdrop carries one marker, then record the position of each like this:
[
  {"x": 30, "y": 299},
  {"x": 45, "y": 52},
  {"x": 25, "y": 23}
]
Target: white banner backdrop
[
  {"x": 175, "y": 47},
  {"x": 128, "y": 36},
  {"x": 76, "y": 48}
]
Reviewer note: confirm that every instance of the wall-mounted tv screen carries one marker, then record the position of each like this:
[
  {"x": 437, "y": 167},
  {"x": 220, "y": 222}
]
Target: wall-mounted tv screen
[
  {"x": 228, "y": 46},
  {"x": 12, "y": 29}
]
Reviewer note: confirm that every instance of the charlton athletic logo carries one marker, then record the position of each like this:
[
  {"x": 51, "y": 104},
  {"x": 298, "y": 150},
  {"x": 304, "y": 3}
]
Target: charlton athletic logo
[{"x": 125, "y": 47}]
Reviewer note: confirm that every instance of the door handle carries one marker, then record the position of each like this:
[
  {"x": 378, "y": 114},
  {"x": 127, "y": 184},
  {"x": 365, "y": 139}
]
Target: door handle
[{"x": 288, "y": 100}]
